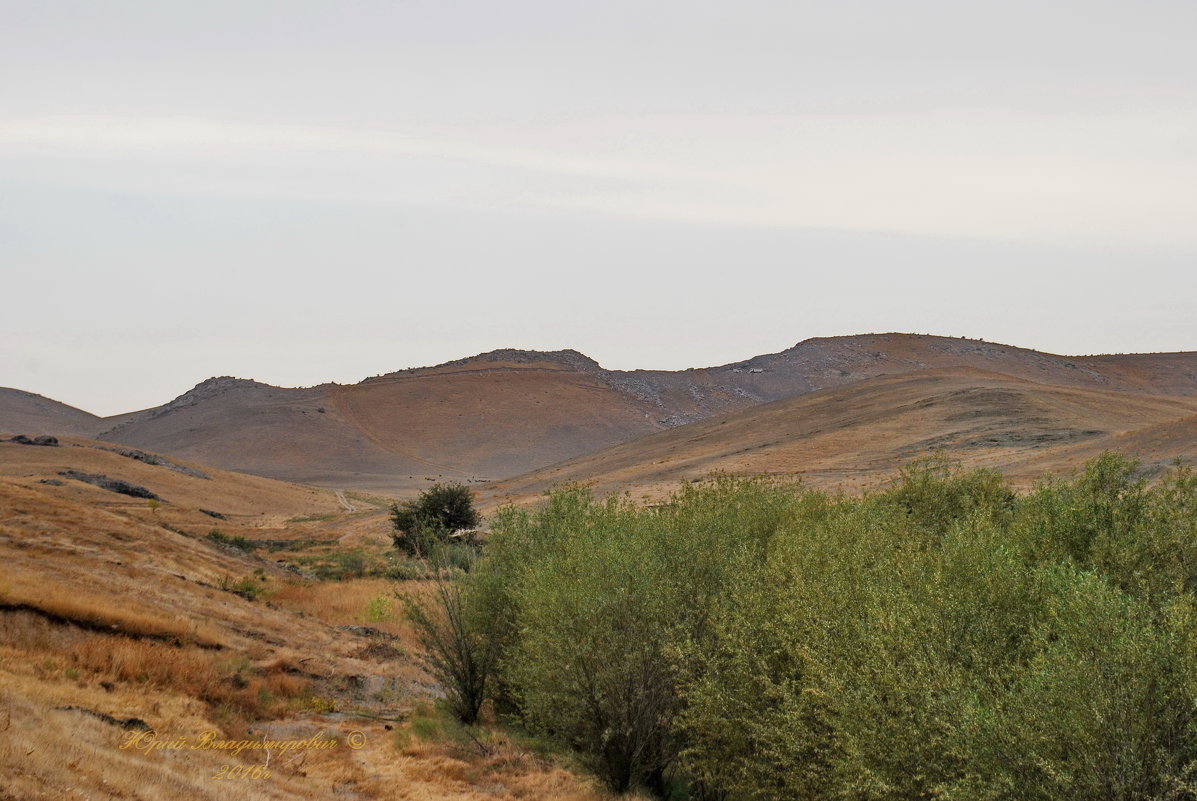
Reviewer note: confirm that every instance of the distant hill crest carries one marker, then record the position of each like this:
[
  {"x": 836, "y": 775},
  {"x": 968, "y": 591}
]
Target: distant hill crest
[
  {"x": 509, "y": 411},
  {"x": 568, "y": 358}
]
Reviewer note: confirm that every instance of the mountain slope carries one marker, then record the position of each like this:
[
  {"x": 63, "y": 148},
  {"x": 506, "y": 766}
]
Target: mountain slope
[
  {"x": 508, "y": 412},
  {"x": 856, "y": 435},
  {"x": 25, "y": 413}
]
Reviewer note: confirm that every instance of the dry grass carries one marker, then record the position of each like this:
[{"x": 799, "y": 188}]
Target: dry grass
[
  {"x": 432, "y": 759},
  {"x": 857, "y": 436},
  {"x": 351, "y": 602},
  {"x": 243, "y": 497},
  {"x": 230, "y": 683},
  {"x": 91, "y": 611},
  {"x": 52, "y": 754},
  {"x": 115, "y": 610},
  {"x": 240, "y": 690}
]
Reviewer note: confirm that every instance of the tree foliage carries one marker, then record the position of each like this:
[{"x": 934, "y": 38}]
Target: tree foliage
[
  {"x": 943, "y": 638},
  {"x": 456, "y": 649},
  {"x": 432, "y": 518}
]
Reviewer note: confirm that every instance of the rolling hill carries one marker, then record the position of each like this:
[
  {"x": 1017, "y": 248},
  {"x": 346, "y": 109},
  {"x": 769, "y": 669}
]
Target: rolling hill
[
  {"x": 509, "y": 412},
  {"x": 145, "y": 584},
  {"x": 27, "y": 413},
  {"x": 860, "y": 434}
]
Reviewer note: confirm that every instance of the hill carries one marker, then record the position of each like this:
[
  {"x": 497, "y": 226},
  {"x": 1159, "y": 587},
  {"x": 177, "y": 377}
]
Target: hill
[
  {"x": 27, "y": 413},
  {"x": 860, "y": 434},
  {"x": 508, "y": 412},
  {"x": 128, "y": 622}
]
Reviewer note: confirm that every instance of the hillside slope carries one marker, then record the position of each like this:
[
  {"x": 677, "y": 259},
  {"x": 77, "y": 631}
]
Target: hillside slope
[
  {"x": 857, "y": 435},
  {"x": 508, "y": 412},
  {"x": 120, "y": 618},
  {"x": 26, "y": 413}
]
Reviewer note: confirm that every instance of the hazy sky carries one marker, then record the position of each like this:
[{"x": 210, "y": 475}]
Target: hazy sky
[{"x": 300, "y": 192}]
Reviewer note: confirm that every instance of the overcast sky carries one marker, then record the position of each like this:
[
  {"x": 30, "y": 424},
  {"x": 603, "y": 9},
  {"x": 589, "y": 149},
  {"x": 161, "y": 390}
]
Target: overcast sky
[{"x": 301, "y": 192}]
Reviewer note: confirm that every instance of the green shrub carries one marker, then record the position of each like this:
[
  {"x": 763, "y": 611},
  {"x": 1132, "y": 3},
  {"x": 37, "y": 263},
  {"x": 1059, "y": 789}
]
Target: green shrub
[
  {"x": 458, "y": 651},
  {"x": 437, "y": 515},
  {"x": 378, "y": 609},
  {"x": 238, "y": 542},
  {"x": 943, "y": 638},
  {"x": 588, "y": 601},
  {"x": 936, "y": 494},
  {"x": 249, "y": 588},
  {"x": 1104, "y": 706}
]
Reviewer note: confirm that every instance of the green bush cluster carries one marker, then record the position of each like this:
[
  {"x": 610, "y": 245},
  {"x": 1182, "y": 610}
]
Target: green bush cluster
[
  {"x": 436, "y": 518},
  {"x": 943, "y": 638},
  {"x": 247, "y": 587},
  {"x": 234, "y": 541}
]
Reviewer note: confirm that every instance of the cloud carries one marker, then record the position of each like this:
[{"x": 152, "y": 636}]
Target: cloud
[{"x": 1122, "y": 179}]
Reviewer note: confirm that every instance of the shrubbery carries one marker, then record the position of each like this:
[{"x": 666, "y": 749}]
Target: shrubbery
[
  {"x": 943, "y": 638},
  {"x": 433, "y": 519}
]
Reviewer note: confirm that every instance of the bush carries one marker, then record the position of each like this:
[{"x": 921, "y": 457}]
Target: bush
[
  {"x": 248, "y": 588},
  {"x": 589, "y": 600},
  {"x": 456, "y": 650},
  {"x": 943, "y": 638},
  {"x": 238, "y": 542},
  {"x": 936, "y": 494},
  {"x": 436, "y": 516}
]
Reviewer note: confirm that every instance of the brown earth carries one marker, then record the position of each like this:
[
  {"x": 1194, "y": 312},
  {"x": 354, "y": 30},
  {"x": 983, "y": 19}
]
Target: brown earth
[
  {"x": 508, "y": 412},
  {"x": 119, "y": 616},
  {"x": 25, "y": 412},
  {"x": 859, "y": 435}
]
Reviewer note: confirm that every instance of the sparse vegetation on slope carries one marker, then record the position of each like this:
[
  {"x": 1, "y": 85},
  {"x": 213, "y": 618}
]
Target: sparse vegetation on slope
[{"x": 502, "y": 414}]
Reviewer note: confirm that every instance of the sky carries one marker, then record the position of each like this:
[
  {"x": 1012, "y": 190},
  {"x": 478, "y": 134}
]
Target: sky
[{"x": 301, "y": 192}]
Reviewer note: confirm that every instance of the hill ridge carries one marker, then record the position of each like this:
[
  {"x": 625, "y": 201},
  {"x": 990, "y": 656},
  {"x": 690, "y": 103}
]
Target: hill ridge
[{"x": 509, "y": 411}]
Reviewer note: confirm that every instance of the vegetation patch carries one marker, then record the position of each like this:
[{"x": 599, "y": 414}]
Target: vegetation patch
[
  {"x": 250, "y": 587},
  {"x": 110, "y": 484},
  {"x": 240, "y": 543},
  {"x": 940, "y": 638},
  {"x": 312, "y": 518},
  {"x": 359, "y": 563}
]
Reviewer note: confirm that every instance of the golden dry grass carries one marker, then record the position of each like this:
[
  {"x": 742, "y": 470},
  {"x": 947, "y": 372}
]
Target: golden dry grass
[
  {"x": 445, "y": 767},
  {"x": 243, "y": 497},
  {"x": 67, "y": 604},
  {"x": 350, "y": 602},
  {"x": 115, "y": 609},
  {"x": 857, "y": 436},
  {"x": 50, "y": 751}
]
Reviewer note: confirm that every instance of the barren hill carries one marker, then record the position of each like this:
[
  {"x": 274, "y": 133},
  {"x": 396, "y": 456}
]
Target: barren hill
[
  {"x": 507, "y": 412},
  {"x": 856, "y": 435},
  {"x": 180, "y": 487},
  {"x": 27, "y": 413}
]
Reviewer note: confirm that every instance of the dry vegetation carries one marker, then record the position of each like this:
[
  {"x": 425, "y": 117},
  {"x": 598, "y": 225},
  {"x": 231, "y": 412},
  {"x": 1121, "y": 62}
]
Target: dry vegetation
[
  {"x": 115, "y": 612},
  {"x": 857, "y": 436},
  {"x": 116, "y": 615},
  {"x": 62, "y": 604}
]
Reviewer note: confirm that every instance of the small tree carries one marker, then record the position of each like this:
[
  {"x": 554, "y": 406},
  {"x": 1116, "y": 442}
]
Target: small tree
[
  {"x": 457, "y": 647},
  {"x": 432, "y": 518}
]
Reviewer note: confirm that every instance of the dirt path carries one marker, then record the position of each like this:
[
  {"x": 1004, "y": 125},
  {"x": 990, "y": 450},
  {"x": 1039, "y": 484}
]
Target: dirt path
[{"x": 344, "y": 501}]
